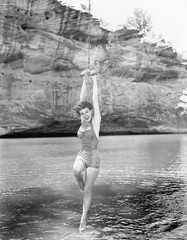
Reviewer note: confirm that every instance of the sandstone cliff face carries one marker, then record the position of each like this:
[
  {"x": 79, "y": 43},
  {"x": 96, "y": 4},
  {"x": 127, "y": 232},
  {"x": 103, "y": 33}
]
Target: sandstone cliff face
[{"x": 43, "y": 49}]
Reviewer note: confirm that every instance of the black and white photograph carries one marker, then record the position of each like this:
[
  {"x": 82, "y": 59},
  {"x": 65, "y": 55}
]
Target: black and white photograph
[{"x": 93, "y": 120}]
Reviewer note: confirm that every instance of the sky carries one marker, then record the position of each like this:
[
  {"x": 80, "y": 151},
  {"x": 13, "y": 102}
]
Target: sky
[{"x": 169, "y": 17}]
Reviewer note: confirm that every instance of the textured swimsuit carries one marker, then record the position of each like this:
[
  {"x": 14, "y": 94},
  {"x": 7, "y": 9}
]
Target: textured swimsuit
[{"x": 89, "y": 153}]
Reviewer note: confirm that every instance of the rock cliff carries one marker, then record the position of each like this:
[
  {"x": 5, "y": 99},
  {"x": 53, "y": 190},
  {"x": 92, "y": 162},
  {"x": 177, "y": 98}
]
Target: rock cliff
[{"x": 43, "y": 49}]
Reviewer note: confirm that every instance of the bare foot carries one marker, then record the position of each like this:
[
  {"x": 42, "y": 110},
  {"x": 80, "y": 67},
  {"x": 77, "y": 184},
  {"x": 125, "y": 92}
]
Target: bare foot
[{"x": 82, "y": 225}]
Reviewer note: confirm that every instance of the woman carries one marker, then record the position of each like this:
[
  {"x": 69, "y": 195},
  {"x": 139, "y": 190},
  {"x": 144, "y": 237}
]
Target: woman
[{"x": 87, "y": 162}]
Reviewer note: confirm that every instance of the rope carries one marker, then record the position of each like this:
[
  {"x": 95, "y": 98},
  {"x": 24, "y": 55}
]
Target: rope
[{"x": 89, "y": 28}]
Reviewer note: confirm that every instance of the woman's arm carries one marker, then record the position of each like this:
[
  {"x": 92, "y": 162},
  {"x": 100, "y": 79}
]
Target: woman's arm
[
  {"x": 83, "y": 93},
  {"x": 97, "y": 115}
]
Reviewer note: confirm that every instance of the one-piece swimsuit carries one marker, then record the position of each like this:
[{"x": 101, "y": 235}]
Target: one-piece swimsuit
[{"x": 89, "y": 153}]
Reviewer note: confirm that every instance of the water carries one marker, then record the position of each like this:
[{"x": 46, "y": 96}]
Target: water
[{"x": 140, "y": 193}]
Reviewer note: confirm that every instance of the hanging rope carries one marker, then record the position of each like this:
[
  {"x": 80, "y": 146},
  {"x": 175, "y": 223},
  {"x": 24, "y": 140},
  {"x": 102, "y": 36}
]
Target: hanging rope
[{"x": 89, "y": 28}]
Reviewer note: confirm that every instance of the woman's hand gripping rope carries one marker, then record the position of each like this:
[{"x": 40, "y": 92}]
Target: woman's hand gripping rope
[{"x": 88, "y": 72}]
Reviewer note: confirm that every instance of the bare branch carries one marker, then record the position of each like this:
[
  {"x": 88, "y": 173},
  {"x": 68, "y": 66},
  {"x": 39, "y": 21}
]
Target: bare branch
[{"x": 141, "y": 20}]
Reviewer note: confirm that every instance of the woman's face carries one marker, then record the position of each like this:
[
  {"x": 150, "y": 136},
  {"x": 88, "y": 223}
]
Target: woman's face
[{"x": 86, "y": 115}]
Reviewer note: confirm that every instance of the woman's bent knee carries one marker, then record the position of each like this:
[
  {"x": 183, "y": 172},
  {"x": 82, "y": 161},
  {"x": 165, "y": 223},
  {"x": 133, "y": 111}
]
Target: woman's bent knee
[
  {"x": 77, "y": 170},
  {"x": 78, "y": 167}
]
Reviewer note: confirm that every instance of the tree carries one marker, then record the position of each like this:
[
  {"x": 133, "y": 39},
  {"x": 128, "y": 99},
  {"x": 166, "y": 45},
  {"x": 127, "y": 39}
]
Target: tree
[
  {"x": 103, "y": 23},
  {"x": 141, "y": 20}
]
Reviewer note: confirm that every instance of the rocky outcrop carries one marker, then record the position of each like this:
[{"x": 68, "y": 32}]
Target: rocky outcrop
[{"x": 44, "y": 47}]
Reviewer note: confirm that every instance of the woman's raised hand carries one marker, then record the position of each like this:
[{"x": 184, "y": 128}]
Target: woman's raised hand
[
  {"x": 85, "y": 73},
  {"x": 88, "y": 72},
  {"x": 93, "y": 72}
]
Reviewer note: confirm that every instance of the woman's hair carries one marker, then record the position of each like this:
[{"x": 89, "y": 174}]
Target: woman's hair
[{"x": 82, "y": 105}]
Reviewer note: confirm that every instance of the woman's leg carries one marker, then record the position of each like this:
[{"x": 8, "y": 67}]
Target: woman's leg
[
  {"x": 87, "y": 194},
  {"x": 79, "y": 172}
]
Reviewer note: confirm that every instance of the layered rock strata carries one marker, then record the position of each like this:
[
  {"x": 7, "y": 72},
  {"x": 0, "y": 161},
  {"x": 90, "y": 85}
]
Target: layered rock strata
[{"x": 44, "y": 47}]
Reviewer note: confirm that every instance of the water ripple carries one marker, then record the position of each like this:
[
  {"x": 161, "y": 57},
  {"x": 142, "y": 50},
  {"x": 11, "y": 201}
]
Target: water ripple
[{"x": 140, "y": 193}]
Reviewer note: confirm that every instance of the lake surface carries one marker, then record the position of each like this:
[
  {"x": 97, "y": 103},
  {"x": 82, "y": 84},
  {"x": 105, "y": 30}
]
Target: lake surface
[{"x": 140, "y": 193}]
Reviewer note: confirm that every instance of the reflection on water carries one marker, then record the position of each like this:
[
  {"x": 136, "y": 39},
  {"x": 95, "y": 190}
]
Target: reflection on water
[{"x": 140, "y": 193}]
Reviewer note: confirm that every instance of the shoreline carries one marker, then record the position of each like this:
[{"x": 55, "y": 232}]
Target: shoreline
[{"x": 74, "y": 134}]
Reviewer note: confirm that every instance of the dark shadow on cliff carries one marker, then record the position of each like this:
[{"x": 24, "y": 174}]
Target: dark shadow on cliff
[
  {"x": 50, "y": 129},
  {"x": 69, "y": 129}
]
